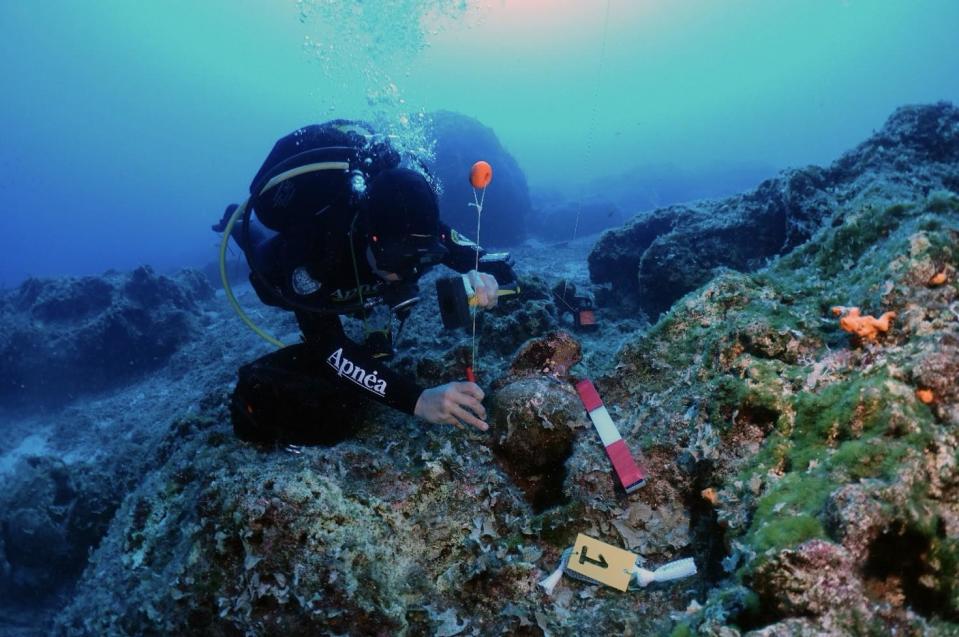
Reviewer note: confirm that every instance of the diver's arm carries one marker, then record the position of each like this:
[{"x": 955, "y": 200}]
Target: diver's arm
[
  {"x": 462, "y": 251},
  {"x": 462, "y": 258},
  {"x": 350, "y": 366}
]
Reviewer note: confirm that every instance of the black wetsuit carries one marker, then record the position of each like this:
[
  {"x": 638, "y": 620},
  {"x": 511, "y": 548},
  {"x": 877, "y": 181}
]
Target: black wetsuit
[{"x": 311, "y": 392}]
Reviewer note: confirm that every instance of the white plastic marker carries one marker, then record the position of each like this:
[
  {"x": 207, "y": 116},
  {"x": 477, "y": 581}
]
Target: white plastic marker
[
  {"x": 599, "y": 563},
  {"x": 631, "y": 475},
  {"x": 669, "y": 571}
]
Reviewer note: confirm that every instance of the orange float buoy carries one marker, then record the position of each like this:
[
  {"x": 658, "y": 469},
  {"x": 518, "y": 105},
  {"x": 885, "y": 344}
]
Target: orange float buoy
[
  {"x": 481, "y": 174},
  {"x": 925, "y": 395}
]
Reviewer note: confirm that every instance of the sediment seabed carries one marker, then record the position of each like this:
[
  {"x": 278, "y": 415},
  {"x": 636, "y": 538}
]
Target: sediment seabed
[{"x": 810, "y": 472}]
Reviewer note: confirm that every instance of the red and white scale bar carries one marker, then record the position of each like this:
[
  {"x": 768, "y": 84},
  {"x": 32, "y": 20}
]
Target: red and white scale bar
[{"x": 631, "y": 475}]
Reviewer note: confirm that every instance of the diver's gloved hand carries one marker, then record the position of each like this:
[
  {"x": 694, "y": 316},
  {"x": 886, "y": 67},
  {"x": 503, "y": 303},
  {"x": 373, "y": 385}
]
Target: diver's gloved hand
[
  {"x": 485, "y": 287},
  {"x": 453, "y": 404}
]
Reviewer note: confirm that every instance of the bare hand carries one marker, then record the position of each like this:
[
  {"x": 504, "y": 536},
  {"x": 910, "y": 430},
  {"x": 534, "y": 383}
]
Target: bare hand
[
  {"x": 485, "y": 287},
  {"x": 453, "y": 404}
]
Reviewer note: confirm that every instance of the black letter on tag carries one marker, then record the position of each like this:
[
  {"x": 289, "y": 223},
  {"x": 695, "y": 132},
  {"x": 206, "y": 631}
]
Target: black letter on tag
[{"x": 601, "y": 562}]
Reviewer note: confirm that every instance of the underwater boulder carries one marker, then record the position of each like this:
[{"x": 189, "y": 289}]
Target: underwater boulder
[
  {"x": 823, "y": 472},
  {"x": 51, "y": 515},
  {"x": 460, "y": 142},
  {"x": 660, "y": 255},
  {"x": 63, "y": 337},
  {"x": 367, "y": 537},
  {"x": 290, "y": 554},
  {"x": 533, "y": 422}
]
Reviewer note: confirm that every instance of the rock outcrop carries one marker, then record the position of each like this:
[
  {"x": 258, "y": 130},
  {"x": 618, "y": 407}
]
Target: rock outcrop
[
  {"x": 51, "y": 515},
  {"x": 661, "y": 255},
  {"x": 461, "y": 141},
  {"x": 64, "y": 337},
  {"x": 821, "y": 470}
]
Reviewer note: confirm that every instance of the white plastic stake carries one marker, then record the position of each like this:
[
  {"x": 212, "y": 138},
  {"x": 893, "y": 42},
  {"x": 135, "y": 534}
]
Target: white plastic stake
[
  {"x": 670, "y": 571},
  {"x": 550, "y": 582}
]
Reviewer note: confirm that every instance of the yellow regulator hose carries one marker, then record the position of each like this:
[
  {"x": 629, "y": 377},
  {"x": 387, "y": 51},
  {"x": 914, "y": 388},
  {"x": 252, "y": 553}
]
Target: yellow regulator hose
[
  {"x": 239, "y": 212},
  {"x": 226, "y": 280}
]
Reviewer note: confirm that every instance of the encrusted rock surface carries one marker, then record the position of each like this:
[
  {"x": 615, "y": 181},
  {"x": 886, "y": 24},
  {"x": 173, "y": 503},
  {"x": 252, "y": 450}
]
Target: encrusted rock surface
[
  {"x": 814, "y": 579},
  {"x": 830, "y": 483},
  {"x": 552, "y": 355},
  {"x": 534, "y": 423},
  {"x": 660, "y": 255},
  {"x": 51, "y": 514}
]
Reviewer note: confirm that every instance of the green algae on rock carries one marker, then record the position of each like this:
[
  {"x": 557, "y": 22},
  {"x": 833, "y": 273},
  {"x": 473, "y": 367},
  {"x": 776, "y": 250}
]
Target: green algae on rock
[{"x": 841, "y": 450}]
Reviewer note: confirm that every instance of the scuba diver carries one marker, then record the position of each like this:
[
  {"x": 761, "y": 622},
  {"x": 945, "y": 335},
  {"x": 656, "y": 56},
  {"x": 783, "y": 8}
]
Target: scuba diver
[{"x": 340, "y": 227}]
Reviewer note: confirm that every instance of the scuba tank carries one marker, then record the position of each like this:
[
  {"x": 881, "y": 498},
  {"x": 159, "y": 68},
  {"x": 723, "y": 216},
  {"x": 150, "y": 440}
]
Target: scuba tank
[
  {"x": 325, "y": 165},
  {"x": 316, "y": 170},
  {"x": 313, "y": 171}
]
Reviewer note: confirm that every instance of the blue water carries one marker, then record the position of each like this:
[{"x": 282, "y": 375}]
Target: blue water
[{"x": 127, "y": 126}]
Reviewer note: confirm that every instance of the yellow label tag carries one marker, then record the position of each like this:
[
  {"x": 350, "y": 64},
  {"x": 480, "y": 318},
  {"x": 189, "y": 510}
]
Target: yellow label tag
[{"x": 603, "y": 562}]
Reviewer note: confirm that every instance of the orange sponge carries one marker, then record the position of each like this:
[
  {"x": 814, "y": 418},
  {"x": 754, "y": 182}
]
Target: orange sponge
[
  {"x": 866, "y": 328},
  {"x": 937, "y": 279}
]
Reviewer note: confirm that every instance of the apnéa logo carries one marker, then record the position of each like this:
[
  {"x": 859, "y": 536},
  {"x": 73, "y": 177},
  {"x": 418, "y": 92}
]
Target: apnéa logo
[{"x": 344, "y": 367}]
